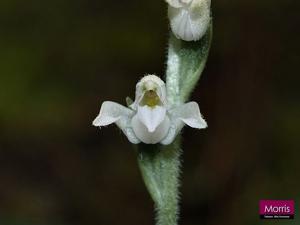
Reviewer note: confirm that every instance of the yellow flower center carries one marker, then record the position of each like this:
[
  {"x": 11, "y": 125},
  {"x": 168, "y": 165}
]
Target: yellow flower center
[{"x": 150, "y": 99}]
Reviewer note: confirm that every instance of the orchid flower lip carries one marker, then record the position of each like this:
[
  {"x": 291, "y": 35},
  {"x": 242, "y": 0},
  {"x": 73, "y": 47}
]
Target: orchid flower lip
[{"x": 149, "y": 119}]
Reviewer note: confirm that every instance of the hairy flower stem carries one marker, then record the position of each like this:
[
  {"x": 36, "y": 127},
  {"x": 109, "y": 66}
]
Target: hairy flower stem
[{"x": 160, "y": 167}]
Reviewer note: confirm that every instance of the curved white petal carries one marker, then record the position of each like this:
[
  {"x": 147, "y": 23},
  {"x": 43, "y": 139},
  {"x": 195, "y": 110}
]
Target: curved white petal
[
  {"x": 151, "y": 117},
  {"x": 112, "y": 112},
  {"x": 189, "y": 113},
  {"x": 142, "y": 132},
  {"x": 172, "y": 133},
  {"x": 129, "y": 133}
]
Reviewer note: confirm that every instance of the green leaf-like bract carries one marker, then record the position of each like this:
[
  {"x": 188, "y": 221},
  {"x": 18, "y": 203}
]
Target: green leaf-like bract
[{"x": 186, "y": 62}]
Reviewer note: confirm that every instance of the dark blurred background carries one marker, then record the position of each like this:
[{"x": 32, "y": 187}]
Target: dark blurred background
[{"x": 59, "y": 60}]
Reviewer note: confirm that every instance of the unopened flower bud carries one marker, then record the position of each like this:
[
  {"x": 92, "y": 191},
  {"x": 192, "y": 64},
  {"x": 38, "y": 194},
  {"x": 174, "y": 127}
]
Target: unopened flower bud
[{"x": 189, "y": 19}]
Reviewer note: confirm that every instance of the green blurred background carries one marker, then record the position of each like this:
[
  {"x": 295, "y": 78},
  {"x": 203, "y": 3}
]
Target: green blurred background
[{"x": 59, "y": 60}]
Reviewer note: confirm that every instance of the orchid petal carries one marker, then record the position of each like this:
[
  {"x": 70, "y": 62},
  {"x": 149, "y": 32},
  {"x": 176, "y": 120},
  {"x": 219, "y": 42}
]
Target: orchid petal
[
  {"x": 172, "y": 133},
  {"x": 188, "y": 114},
  {"x": 149, "y": 82},
  {"x": 151, "y": 117},
  {"x": 142, "y": 132},
  {"x": 112, "y": 112}
]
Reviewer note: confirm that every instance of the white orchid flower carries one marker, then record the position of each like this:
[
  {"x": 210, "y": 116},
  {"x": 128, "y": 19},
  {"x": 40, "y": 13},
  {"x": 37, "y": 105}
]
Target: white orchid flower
[
  {"x": 189, "y": 19},
  {"x": 149, "y": 119}
]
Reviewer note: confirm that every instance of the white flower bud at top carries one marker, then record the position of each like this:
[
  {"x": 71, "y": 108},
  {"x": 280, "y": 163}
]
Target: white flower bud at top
[{"x": 189, "y": 19}]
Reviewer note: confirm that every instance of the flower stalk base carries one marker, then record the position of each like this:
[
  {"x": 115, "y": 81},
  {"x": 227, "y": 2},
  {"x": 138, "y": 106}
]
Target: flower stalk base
[{"x": 160, "y": 168}]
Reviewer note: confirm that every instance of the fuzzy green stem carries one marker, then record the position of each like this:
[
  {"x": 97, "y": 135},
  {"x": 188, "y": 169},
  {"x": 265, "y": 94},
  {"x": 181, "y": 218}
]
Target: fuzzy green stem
[{"x": 160, "y": 167}]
